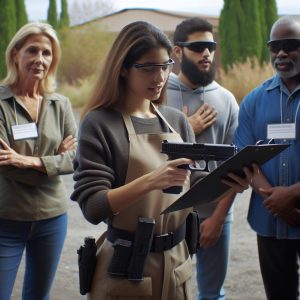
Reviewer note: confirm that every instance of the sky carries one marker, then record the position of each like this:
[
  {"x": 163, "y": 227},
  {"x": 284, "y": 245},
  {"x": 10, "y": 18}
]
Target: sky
[{"x": 37, "y": 9}]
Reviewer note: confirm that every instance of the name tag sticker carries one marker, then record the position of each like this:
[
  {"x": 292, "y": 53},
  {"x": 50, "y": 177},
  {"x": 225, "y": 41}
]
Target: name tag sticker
[
  {"x": 24, "y": 131},
  {"x": 282, "y": 131}
]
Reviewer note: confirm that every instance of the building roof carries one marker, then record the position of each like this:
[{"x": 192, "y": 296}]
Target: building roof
[{"x": 164, "y": 19}]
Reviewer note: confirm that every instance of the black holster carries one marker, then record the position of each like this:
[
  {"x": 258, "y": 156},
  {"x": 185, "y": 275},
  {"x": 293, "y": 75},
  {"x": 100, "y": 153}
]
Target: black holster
[
  {"x": 130, "y": 251},
  {"x": 86, "y": 264},
  {"x": 192, "y": 232}
]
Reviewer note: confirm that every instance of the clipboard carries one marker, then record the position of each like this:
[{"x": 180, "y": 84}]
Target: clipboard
[{"x": 211, "y": 187}]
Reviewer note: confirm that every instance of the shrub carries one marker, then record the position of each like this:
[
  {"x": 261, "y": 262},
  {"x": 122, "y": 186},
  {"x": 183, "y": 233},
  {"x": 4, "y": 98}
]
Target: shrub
[
  {"x": 83, "y": 49},
  {"x": 78, "y": 92}
]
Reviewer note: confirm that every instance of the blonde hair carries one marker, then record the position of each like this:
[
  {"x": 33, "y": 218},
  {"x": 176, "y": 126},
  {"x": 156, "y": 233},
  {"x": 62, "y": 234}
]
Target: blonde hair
[
  {"x": 48, "y": 84},
  {"x": 134, "y": 40}
]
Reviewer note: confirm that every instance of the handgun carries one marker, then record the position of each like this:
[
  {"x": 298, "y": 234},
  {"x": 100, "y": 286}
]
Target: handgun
[{"x": 197, "y": 152}]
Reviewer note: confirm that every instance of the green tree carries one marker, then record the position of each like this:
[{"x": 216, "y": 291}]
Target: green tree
[
  {"x": 52, "y": 14},
  {"x": 64, "y": 15},
  {"x": 251, "y": 33},
  {"x": 7, "y": 30},
  {"x": 21, "y": 14},
  {"x": 264, "y": 31},
  {"x": 244, "y": 27},
  {"x": 270, "y": 16},
  {"x": 229, "y": 25}
]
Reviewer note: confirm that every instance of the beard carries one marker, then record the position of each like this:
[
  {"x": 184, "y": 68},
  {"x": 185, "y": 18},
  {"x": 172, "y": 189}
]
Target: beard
[
  {"x": 292, "y": 71},
  {"x": 195, "y": 75}
]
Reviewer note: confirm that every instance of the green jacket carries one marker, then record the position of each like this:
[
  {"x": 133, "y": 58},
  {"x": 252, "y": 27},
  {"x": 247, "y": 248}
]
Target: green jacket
[{"x": 27, "y": 194}]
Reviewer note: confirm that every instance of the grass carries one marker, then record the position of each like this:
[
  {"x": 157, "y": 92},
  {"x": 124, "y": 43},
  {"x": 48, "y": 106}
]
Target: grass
[
  {"x": 241, "y": 78},
  {"x": 77, "y": 93}
]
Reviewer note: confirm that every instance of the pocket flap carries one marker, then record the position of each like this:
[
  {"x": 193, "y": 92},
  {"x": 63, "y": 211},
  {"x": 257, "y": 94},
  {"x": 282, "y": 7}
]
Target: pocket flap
[
  {"x": 128, "y": 288},
  {"x": 183, "y": 272}
]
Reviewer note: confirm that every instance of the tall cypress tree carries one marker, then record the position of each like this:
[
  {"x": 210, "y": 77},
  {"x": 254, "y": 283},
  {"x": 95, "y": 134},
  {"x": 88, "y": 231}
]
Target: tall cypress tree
[
  {"x": 21, "y": 14},
  {"x": 7, "y": 30},
  {"x": 264, "y": 31},
  {"x": 244, "y": 28},
  {"x": 52, "y": 14},
  {"x": 251, "y": 36},
  {"x": 270, "y": 16},
  {"x": 64, "y": 15},
  {"x": 229, "y": 31}
]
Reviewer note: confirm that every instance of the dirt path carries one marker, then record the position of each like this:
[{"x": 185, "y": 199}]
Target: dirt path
[{"x": 243, "y": 281}]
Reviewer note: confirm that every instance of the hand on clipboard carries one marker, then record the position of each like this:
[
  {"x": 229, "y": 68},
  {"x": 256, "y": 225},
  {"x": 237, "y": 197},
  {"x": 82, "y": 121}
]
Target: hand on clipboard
[{"x": 213, "y": 185}]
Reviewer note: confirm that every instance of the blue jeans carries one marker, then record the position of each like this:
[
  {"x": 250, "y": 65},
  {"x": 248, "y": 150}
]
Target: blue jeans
[
  {"x": 43, "y": 241},
  {"x": 211, "y": 267}
]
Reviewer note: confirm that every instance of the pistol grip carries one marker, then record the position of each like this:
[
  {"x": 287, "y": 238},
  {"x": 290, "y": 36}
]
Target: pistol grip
[
  {"x": 176, "y": 189},
  {"x": 184, "y": 166},
  {"x": 173, "y": 190}
]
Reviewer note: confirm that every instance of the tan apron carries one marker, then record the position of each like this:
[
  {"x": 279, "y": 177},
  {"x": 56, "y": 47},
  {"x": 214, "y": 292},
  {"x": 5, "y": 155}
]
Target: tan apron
[{"x": 167, "y": 275}]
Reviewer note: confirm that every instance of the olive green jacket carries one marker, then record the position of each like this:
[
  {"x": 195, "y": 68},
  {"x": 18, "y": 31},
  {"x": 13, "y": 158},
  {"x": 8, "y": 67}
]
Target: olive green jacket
[{"x": 27, "y": 194}]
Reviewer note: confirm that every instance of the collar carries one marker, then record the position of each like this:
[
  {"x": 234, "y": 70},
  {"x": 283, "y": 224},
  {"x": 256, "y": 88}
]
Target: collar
[
  {"x": 277, "y": 82},
  {"x": 7, "y": 94}
]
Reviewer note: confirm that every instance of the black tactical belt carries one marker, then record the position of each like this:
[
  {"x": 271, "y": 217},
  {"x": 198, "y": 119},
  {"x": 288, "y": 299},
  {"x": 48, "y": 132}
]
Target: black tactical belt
[{"x": 160, "y": 243}]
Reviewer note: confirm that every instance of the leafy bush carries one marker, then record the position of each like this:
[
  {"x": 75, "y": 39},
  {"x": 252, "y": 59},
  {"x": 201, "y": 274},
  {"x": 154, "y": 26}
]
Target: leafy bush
[{"x": 83, "y": 49}]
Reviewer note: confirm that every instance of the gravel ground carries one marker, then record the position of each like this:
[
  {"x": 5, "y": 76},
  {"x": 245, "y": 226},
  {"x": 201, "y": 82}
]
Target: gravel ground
[{"x": 243, "y": 280}]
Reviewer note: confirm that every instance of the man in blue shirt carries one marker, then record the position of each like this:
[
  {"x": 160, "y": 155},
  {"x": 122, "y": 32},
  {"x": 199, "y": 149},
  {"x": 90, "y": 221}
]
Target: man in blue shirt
[{"x": 271, "y": 111}]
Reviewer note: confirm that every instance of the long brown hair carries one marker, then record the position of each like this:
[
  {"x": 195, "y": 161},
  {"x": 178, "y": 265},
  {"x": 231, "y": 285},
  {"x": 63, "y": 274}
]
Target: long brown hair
[{"x": 132, "y": 42}]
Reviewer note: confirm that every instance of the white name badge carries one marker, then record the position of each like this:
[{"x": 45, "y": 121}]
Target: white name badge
[
  {"x": 24, "y": 131},
  {"x": 282, "y": 131}
]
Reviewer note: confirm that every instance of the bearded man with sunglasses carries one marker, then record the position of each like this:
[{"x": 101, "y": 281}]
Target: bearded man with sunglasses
[
  {"x": 271, "y": 111},
  {"x": 212, "y": 112}
]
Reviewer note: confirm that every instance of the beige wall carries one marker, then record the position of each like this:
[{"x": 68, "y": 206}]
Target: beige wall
[{"x": 166, "y": 21}]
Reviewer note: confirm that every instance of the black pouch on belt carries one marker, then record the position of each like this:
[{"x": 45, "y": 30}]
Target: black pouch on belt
[
  {"x": 87, "y": 264},
  {"x": 120, "y": 259},
  {"x": 192, "y": 232},
  {"x": 141, "y": 247}
]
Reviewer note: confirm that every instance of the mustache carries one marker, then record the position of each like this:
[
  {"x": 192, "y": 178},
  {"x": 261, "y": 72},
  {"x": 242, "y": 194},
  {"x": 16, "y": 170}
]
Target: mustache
[
  {"x": 283, "y": 61},
  {"x": 205, "y": 61}
]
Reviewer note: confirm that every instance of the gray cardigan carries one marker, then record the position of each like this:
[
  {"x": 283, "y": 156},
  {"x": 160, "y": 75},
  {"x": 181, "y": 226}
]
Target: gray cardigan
[{"x": 101, "y": 160}]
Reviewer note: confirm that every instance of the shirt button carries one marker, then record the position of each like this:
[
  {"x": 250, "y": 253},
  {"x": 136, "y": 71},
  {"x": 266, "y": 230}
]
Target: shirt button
[
  {"x": 288, "y": 119},
  {"x": 283, "y": 164}
]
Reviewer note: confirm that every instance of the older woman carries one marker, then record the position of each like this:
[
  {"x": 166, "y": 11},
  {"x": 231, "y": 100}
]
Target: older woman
[{"x": 37, "y": 145}]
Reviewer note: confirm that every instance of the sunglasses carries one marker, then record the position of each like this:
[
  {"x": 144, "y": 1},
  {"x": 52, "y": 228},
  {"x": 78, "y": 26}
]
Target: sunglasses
[
  {"x": 199, "y": 46},
  {"x": 152, "y": 68},
  {"x": 287, "y": 45}
]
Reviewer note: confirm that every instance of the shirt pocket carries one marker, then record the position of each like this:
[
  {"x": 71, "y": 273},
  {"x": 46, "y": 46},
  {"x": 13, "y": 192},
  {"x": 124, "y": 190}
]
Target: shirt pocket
[{"x": 183, "y": 277}]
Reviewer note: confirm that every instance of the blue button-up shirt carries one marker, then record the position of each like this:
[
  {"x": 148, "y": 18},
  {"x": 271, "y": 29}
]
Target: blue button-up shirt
[{"x": 271, "y": 103}]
